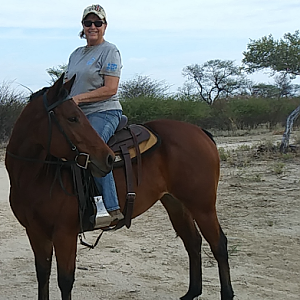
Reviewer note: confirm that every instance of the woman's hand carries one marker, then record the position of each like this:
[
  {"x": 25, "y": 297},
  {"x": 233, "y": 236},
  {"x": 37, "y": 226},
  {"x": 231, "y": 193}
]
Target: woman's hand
[{"x": 76, "y": 99}]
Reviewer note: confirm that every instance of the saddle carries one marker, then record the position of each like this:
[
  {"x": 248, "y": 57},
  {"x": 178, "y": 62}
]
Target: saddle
[{"x": 129, "y": 143}]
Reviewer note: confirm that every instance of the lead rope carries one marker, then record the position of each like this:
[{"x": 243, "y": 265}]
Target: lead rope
[{"x": 90, "y": 246}]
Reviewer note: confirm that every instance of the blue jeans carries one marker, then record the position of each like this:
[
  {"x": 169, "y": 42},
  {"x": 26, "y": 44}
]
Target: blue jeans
[{"x": 106, "y": 123}]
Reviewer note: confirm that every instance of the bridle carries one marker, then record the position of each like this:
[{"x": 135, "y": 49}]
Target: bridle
[
  {"x": 52, "y": 117},
  {"x": 76, "y": 172}
]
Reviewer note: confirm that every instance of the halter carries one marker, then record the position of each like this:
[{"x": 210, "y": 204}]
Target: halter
[{"x": 52, "y": 116}]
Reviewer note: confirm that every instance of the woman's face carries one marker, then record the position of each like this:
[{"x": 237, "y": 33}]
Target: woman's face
[{"x": 94, "y": 35}]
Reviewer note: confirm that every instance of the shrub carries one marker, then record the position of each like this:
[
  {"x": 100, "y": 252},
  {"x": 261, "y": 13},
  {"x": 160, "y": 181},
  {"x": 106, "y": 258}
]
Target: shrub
[
  {"x": 143, "y": 109},
  {"x": 223, "y": 114},
  {"x": 11, "y": 105},
  {"x": 248, "y": 113}
]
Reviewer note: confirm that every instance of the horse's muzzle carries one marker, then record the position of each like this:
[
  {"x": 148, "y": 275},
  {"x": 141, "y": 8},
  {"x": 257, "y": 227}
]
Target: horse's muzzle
[
  {"x": 100, "y": 169},
  {"x": 110, "y": 161}
]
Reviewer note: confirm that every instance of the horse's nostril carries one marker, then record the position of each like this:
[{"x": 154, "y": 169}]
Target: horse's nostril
[{"x": 110, "y": 160}]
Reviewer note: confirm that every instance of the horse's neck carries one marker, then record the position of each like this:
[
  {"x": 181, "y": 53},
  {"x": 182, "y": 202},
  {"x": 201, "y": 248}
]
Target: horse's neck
[
  {"x": 26, "y": 148},
  {"x": 25, "y": 158}
]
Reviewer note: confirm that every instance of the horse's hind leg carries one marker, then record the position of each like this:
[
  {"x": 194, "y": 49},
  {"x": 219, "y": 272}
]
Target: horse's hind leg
[
  {"x": 184, "y": 226},
  {"x": 43, "y": 250},
  {"x": 210, "y": 228},
  {"x": 65, "y": 246}
]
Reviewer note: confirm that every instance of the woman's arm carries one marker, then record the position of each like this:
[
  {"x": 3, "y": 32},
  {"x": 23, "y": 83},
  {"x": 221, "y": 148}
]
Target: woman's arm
[{"x": 109, "y": 89}]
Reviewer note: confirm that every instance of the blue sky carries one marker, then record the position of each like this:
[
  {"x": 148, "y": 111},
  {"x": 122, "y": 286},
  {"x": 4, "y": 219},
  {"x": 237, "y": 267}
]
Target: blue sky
[{"x": 155, "y": 38}]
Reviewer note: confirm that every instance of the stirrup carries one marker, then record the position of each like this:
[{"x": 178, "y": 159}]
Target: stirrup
[{"x": 103, "y": 218}]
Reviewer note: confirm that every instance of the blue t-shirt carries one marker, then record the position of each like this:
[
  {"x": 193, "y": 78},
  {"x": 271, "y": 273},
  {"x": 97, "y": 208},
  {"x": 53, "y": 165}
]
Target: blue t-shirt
[{"x": 90, "y": 64}]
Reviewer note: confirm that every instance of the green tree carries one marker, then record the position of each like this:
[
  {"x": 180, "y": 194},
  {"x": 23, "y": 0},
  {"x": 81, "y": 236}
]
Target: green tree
[
  {"x": 284, "y": 84},
  {"x": 263, "y": 90},
  {"x": 188, "y": 92},
  {"x": 215, "y": 79},
  {"x": 143, "y": 86},
  {"x": 56, "y": 72},
  {"x": 281, "y": 55}
]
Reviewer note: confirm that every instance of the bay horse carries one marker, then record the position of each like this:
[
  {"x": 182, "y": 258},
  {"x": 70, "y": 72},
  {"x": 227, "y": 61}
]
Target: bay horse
[{"x": 183, "y": 172}]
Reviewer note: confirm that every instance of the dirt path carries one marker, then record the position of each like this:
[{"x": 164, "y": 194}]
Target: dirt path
[{"x": 259, "y": 209}]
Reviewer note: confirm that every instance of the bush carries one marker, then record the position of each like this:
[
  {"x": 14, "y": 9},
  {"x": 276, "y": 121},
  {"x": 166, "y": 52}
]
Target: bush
[
  {"x": 220, "y": 116},
  {"x": 223, "y": 114},
  {"x": 143, "y": 109},
  {"x": 248, "y": 113},
  {"x": 11, "y": 105}
]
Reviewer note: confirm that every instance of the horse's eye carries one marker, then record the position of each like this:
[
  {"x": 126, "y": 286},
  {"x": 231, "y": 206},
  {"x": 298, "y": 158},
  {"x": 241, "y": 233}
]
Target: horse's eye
[{"x": 73, "y": 119}]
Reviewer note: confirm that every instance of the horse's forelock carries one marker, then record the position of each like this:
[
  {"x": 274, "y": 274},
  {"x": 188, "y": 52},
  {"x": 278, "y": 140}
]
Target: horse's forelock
[{"x": 63, "y": 93}]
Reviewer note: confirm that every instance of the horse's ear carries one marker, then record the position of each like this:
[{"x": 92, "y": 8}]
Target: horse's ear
[
  {"x": 55, "y": 91},
  {"x": 56, "y": 87},
  {"x": 59, "y": 82},
  {"x": 69, "y": 83}
]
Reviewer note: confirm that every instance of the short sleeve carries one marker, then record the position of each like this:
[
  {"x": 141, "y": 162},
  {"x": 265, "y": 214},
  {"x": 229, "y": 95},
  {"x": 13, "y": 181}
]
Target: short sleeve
[{"x": 112, "y": 63}]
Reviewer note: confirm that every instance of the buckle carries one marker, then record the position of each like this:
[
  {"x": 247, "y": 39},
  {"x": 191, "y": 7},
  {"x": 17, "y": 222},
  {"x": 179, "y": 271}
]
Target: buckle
[
  {"x": 86, "y": 162},
  {"x": 130, "y": 195}
]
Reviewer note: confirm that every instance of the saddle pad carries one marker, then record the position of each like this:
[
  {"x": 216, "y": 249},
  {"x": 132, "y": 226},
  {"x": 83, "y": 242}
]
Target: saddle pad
[{"x": 144, "y": 146}]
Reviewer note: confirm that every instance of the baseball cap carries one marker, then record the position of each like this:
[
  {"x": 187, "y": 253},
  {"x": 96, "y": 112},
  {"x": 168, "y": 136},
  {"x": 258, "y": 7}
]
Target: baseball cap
[{"x": 94, "y": 9}]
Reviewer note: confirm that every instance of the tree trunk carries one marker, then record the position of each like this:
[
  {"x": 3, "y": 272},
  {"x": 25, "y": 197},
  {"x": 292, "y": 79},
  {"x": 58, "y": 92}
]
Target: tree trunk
[{"x": 288, "y": 128}]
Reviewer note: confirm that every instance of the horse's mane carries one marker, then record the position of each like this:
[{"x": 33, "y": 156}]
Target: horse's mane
[
  {"x": 63, "y": 93},
  {"x": 38, "y": 93}
]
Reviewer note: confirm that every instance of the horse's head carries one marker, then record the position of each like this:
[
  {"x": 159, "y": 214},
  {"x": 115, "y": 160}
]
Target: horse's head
[{"x": 68, "y": 134}]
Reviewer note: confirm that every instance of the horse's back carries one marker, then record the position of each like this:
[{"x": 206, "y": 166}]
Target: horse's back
[
  {"x": 187, "y": 150},
  {"x": 185, "y": 136}
]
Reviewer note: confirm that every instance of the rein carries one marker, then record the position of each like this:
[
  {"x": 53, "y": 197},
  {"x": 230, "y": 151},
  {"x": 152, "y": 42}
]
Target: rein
[{"x": 50, "y": 162}]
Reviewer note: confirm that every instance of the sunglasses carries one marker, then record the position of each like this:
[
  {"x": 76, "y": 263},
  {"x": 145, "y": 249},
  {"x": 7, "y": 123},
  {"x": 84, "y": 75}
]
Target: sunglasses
[{"x": 88, "y": 23}]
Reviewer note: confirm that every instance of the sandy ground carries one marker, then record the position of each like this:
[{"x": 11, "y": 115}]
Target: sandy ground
[{"x": 259, "y": 210}]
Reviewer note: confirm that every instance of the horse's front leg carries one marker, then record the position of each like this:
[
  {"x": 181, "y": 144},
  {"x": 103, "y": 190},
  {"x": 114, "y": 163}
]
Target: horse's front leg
[
  {"x": 65, "y": 246},
  {"x": 43, "y": 249}
]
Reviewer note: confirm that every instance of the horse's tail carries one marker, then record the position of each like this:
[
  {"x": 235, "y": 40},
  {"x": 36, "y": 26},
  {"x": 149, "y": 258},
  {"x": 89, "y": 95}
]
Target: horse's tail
[{"x": 209, "y": 135}]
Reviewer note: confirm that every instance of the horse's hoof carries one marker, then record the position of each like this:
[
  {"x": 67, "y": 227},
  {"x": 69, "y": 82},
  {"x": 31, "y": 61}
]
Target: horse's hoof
[{"x": 191, "y": 296}]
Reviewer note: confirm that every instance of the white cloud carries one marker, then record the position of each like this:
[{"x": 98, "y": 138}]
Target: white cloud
[
  {"x": 134, "y": 15},
  {"x": 156, "y": 38}
]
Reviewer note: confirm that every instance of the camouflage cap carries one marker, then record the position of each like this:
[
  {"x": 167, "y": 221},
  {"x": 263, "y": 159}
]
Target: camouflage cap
[{"x": 94, "y": 9}]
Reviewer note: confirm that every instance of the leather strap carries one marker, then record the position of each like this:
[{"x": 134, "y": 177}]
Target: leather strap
[
  {"x": 130, "y": 197},
  {"x": 77, "y": 178},
  {"x": 138, "y": 156}
]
